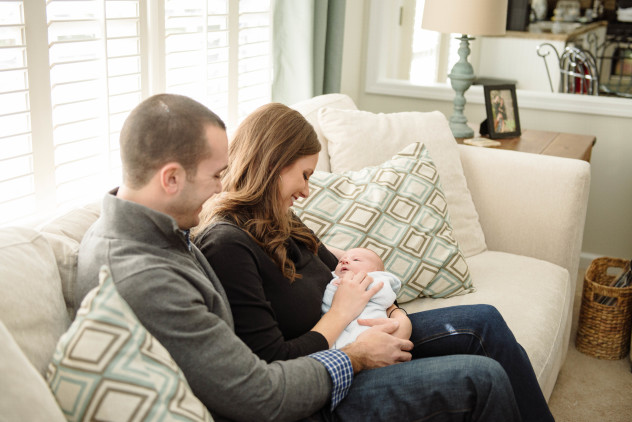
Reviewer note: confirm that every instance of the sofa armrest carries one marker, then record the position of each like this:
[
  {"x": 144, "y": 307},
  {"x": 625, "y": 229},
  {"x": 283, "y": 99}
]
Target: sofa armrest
[{"x": 529, "y": 204}]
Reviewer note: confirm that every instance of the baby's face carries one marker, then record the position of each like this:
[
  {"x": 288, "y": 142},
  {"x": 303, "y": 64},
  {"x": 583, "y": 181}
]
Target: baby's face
[{"x": 358, "y": 259}]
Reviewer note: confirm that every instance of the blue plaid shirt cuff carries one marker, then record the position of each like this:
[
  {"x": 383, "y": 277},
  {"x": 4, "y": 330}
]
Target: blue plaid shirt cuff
[{"x": 339, "y": 367}]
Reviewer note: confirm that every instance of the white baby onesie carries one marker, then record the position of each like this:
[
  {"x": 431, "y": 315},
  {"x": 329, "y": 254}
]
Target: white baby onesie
[{"x": 376, "y": 308}]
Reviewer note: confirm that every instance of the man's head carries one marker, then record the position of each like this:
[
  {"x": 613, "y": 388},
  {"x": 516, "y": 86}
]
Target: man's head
[
  {"x": 358, "y": 259},
  {"x": 164, "y": 128},
  {"x": 174, "y": 151}
]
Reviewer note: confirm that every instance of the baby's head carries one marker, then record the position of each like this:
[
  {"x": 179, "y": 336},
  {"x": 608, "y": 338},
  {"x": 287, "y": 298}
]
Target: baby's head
[{"x": 358, "y": 259}]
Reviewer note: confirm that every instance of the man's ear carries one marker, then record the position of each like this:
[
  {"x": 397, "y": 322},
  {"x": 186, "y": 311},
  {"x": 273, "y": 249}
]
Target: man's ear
[{"x": 172, "y": 178}]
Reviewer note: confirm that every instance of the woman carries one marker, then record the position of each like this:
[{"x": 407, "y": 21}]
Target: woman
[{"x": 275, "y": 270}]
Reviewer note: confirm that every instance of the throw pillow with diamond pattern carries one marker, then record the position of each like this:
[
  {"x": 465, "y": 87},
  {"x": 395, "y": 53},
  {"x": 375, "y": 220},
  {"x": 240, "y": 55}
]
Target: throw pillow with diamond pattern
[
  {"x": 398, "y": 210},
  {"x": 108, "y": 367}
]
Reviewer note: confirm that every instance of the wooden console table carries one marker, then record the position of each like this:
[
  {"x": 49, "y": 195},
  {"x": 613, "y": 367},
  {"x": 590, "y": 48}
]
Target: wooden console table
[{"x": 568, "y": 145}]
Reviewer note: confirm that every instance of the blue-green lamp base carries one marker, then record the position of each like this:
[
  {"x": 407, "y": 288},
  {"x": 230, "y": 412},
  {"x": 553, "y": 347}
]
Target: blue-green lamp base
[
  {"x": 461, "y": 78},
  {"x": 461, "y": 130}
]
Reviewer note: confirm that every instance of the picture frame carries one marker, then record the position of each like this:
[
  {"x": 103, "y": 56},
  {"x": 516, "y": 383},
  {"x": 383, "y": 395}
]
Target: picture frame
[{"x": 503, "y": 120}]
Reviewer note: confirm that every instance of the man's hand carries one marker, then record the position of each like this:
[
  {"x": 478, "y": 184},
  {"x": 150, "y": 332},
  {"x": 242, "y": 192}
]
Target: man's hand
[{"x": 377, "y": 347}]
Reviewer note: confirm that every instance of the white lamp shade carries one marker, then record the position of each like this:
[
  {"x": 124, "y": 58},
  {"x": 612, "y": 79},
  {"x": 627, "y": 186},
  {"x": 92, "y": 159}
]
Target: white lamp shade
[{"x": 470, "y": 17}]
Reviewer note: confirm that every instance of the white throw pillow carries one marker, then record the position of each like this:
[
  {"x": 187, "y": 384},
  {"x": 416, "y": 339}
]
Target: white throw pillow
[
  {"x": 309, "y": 110},
  {"x": 358, "y": 139}
]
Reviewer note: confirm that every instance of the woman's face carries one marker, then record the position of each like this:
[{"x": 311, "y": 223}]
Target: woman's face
[{"x": 293, "y": 183}]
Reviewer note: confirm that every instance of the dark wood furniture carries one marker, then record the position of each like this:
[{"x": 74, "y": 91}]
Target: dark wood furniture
[{"x": 568, "y": 145}]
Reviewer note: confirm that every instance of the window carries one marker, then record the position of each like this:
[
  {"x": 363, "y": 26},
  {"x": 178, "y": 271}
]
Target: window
[
  {"x": 71, "y": 70},
  {"x": 421, "y": 56},
  {"x": 433, "y": 54},
  {"x": 219, "y": 52}
]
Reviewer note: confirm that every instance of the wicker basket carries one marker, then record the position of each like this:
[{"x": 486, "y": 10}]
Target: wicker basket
[{"x": 604, "y": 329}]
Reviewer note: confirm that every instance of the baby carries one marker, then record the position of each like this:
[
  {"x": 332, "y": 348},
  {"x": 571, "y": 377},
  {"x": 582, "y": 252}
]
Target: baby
[{"x": 355, "y": 260}]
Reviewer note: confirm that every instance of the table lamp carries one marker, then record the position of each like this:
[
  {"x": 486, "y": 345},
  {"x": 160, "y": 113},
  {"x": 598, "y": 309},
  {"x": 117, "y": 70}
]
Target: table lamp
[{"x": 466, "y": 17}]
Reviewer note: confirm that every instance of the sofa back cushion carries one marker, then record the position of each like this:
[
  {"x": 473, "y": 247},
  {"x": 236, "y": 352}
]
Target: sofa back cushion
[
  {"x": 309, "y": 109},
  {"x": 74, "y": 223},
  {"x": 358, "y": 139},
  {"x": 31, "y": 305},
  {"x": 64, "y": 234}
]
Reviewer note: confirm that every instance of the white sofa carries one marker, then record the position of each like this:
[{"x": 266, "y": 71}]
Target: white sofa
[
  {"x": 522, "y": 247},
  {"x": 519, "y": 217}
]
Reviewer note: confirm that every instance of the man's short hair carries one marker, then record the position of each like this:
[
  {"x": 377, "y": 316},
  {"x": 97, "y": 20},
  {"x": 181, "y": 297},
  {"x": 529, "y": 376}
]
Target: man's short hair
[{"x": 164, "y": 128}]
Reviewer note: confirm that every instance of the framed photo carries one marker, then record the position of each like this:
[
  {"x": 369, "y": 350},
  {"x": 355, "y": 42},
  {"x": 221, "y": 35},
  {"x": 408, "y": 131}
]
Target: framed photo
[{"x": 502, "y": 111}]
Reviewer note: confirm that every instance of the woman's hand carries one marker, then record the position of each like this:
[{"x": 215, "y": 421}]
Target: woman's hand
[{"x": 352, "y": 295}]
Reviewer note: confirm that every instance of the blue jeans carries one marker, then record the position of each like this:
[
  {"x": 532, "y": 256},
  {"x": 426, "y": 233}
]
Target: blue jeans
[
  {"x": 447, "y": 388},
  {"x": 481, "y": 330},
  {"x": 466, "y": 365}
]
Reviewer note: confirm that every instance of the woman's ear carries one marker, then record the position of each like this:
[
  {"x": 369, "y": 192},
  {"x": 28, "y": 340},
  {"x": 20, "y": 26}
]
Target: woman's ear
[{"x": 172, "y": 178}]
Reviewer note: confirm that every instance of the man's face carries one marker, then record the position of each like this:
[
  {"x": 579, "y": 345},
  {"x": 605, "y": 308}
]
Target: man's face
[{"x": 207, "y": 179}]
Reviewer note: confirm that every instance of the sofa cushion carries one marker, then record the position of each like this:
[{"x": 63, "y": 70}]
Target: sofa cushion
[
  {"x": 108, "y": 367},
  {"x": 533, "y": 296},
  {"x": 399, "y": 211},
  {"x": 66, "y": 251},
  {"x": 357, "y": 139},
  {"x": 74, "y": 223},
  {"x": 309, "y": 109},
  {"x": 31, "y": 305},
  {"x": 64, "y": 235},
  {"x": 24, "y": 394}
]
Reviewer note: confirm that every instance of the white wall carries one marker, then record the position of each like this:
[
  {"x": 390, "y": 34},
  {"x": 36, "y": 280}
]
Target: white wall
[{"x": 608, "y": 230}]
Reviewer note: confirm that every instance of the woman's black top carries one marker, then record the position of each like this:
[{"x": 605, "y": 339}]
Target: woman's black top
[{"x": 272, "y": 316}]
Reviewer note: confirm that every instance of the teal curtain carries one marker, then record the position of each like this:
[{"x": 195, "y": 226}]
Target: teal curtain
[{"x": 307, "y": 40}]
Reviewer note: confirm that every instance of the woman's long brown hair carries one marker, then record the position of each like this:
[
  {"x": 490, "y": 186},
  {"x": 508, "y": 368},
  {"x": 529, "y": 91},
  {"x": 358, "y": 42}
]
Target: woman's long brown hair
[{"x": 271, "y": 138}]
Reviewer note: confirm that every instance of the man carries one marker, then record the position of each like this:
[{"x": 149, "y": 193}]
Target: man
[{"x": 173, "y": 153}]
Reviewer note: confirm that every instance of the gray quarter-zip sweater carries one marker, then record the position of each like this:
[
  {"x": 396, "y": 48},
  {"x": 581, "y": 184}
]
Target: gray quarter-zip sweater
[{"x": 176, "y": 295}]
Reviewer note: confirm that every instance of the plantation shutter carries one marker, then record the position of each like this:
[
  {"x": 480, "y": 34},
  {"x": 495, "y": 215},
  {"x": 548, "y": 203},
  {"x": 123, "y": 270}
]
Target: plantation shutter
[{"x": 72, "y": 70}]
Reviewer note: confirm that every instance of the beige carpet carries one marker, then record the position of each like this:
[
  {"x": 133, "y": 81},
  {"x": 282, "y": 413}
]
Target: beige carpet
[{"x": 590, "y": 389}]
